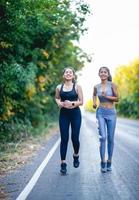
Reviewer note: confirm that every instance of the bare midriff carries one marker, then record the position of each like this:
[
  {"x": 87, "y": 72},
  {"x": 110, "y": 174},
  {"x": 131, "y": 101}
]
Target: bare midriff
[{"x": 106, "y": 105}]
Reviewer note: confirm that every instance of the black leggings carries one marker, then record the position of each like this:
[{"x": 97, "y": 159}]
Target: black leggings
[{"x": 69, "y": 117}]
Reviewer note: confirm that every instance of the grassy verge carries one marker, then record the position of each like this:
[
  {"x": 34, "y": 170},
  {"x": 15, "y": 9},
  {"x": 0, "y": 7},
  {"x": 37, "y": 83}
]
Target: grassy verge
[{"x": 18, "y": 154}]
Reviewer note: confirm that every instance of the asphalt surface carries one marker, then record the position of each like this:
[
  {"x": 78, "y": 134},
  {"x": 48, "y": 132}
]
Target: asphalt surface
[{"x": 86, "y": 182}]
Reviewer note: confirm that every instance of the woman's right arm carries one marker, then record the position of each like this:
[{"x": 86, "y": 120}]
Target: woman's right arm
[
  {"x": 57, "y": 97},
  {"x": 94, "y": 97}
]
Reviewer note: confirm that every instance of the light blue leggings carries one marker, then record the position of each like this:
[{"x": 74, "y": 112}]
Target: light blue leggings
[{"x": 106, "y": 125}]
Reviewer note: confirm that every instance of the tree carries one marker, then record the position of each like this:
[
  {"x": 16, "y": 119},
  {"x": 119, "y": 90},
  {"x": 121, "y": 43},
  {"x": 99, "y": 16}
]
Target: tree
[
  {"x": 126, "y": 78},
  {"x": 36, "y": 43}
]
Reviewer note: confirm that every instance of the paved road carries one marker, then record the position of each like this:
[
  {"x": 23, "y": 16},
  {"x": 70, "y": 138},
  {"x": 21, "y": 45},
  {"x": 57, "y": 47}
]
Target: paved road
[{"x": 87, "y": 182}]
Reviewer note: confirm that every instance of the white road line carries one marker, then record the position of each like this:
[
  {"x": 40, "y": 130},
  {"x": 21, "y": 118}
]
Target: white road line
[{"x": 23, "y": 195}]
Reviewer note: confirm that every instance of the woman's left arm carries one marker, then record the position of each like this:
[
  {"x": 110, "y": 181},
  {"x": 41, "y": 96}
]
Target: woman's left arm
[
  {"x": 115, "y": 96},
  {"x": 79, "y": 102}
]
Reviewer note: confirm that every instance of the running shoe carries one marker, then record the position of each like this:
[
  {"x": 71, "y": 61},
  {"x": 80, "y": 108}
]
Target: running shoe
[
  {"x": 76, "y": 162},
  {"x": 63, "y": 169},
  {"x": 109, "y": 166},
  {"x": 103, "y": 167}
]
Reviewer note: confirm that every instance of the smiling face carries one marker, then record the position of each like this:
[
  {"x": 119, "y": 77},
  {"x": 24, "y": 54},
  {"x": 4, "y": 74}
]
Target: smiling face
[
  {"x": 103, "y": 73},
  {"x": 68, "y": 74}
]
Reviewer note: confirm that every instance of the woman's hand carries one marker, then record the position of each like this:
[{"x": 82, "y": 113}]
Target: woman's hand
[
  {"x": 94, "y": 106},
  {"x": 67, "y": 104},
  {"x": 103, "y": 93},
  {"x": 60, "y": 104}
]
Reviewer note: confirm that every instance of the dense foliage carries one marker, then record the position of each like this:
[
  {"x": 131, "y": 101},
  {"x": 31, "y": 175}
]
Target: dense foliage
[
  {"x": 36, "y": 43},
  {"x": 127, "y": 80}
]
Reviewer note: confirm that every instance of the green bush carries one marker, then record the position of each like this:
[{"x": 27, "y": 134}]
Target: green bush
[{"x": 129, "y": 107}]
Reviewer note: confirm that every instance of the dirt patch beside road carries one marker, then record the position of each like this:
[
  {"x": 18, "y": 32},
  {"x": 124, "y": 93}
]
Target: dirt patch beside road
[
  {"x": 23, "y": 151},
  {"x": 21, "y": 154}
]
